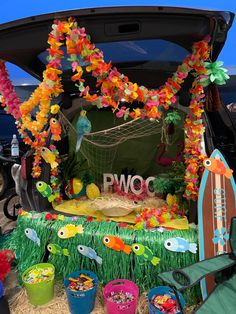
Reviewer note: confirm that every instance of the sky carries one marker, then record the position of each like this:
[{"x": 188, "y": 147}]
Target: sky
[{"x": 16, "y": 9}]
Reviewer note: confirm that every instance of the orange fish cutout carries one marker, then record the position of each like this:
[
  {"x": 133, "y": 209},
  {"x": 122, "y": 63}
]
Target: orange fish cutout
[
  {"x": 217, "y": 166},
  {"x": 115, "y": 243},
  {"x": 55, "y": 129}
]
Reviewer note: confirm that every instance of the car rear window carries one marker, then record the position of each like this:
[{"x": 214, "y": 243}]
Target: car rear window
[{"x": 152, "y": 50}]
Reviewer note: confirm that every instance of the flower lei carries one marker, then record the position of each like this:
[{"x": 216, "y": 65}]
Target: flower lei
[
  {"x": 154, "y": 217},
  {"x": 10, "y": 100},
  {"x": 115, "y": 86}
]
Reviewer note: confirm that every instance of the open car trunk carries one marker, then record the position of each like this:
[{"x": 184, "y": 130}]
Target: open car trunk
[{"x": 145, "y": 43}]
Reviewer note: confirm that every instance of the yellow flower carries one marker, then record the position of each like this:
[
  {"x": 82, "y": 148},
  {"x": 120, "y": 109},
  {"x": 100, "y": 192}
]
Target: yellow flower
[{"x": 55, "y": 108}]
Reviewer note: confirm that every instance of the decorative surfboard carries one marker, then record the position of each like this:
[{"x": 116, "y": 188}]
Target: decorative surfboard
[{"x": 216, "y": 207}]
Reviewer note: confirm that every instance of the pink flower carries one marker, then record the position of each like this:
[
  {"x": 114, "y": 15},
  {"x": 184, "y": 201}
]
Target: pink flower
[
  {"x": 151, "y": 103},
  {"x": 85, "y": 91},
  {"x": 74, "y": 65},
  {"x": 181, "y": 75},
  {"x": 82, "y": 32},
  {"x": 121, "y": 112}
]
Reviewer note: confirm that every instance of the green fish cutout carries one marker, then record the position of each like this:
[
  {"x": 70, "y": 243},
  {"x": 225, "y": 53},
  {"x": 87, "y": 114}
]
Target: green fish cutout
[
  {"x": 56, "y": 249},
  {"x": 145, "y": 252},
  {"x": 45, "y": 190}
]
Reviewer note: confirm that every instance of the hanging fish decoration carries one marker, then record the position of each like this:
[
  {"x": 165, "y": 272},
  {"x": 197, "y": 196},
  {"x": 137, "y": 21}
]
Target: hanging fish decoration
[
  {"x": 146, "y": 253},
  {"x": 49, "y": 157},
  {"x": 69, "y": 231},
  {"x": 32, "y": 235},
  {"x": 117, "y": 244},
  {"x": 180, "y": 245},
  {"x": 45, "y": 190},
  {"x": 55, "y": 128},
  {"x": 89, "y": 252},
  {"x": 57, "y": 250}
]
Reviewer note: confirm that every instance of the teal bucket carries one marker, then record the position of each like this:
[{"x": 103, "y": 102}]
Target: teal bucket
[
  {"x": 81, "y": 302},
  {"x": 162, "y": 290}
]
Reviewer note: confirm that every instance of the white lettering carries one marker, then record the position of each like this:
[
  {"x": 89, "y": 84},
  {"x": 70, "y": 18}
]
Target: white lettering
[
  {"x": 124, "y": 186},
  {"x": 108, "y": 180},
  {"x": 134, "y": 187},
  {"x": 148, "y": 180}
]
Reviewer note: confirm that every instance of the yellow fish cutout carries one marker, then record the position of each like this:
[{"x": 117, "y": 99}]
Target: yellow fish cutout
[
  {"x": 69, "y": 231},
  {"x": 49, "y": 157}
]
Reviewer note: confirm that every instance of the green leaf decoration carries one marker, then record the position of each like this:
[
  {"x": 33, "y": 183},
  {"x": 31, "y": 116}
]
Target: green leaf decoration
[
  {"x": 98, "y": 103},
  {"x": 72, "y": 58},
  {"x": 126, "y": 115},
  {"x": 172, "y": 117},
  {"x": 216, "y": 74},
  {"x": 50, "y": 83}
]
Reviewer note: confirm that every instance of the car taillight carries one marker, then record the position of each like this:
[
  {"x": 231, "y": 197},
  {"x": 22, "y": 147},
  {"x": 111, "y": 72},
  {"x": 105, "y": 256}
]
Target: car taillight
[{"x": 26, "y": 167}]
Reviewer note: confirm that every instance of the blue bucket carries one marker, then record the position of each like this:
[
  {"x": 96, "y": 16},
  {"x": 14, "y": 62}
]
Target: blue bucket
[
  {"x": 161, "y": 290},
  {"x": 81, "y": 302}
]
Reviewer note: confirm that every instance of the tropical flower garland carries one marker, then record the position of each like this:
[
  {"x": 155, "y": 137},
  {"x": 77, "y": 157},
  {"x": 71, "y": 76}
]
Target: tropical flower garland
[
  {"x": 115, "y": 86},
  {"x": 10, "y": 100},
  {"x": 154, "y": 217}
]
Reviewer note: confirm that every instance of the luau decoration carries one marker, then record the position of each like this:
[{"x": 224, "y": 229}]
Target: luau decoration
[
  {"x": 132, "y": 266},
  {"x": 114, "y": 87}
]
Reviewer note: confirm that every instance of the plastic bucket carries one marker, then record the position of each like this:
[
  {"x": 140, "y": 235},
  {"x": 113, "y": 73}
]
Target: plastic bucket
[
  {"x": 162, "y": 290},
  {"x": 42, "y": 292},
  {"x": 81, "y": 302},
  {"x": 123, "y": 285}
]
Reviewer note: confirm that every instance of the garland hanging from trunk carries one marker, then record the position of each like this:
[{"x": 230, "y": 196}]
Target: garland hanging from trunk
[{"x": 113, "y": 86}]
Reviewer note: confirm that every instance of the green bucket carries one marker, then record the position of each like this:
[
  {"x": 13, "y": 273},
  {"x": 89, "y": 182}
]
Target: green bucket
[{"x": 42, "y": 292}]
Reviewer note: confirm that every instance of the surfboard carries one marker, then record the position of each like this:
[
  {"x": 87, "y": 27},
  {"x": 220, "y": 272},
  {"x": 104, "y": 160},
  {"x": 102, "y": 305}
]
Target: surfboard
[{"x": 216, "y": 207}]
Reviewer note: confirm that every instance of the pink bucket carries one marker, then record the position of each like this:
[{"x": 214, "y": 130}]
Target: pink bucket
[{"x": 123, "y": 285}]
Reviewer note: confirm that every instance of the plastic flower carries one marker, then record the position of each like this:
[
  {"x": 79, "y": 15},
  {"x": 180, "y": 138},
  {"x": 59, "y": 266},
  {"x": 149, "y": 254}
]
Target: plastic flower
[
  {"x": 11, "y": 100},
  {"x": 55, "y": 108},
  {"x": 216, "y": 73}
]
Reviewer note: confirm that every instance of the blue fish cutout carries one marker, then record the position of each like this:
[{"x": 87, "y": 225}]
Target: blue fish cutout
[
  {"x": 180, "y": 245},
  {"x": 32, "y": 235},
  {"x": 89, "y": 252}
]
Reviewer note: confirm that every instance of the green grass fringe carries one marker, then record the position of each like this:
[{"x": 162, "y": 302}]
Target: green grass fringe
[{"x": 115, "y": 264}]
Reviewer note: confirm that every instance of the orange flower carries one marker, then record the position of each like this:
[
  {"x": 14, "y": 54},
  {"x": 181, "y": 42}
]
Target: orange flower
[{"x": 91, "y": 98}]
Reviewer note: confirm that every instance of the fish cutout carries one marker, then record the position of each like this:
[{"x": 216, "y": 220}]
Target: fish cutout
[
  {"x": 69, "y": 231},
  {"x": 55, "y": 128},
  {"x": 45, "y": 190},
  {"x": 146, "y": 253},
  {"x": 115, "y": 243},
  {"x": 180, "y": 245},
  {"x": 32, "y": 235},
  {"x": 57, "y": 250},
  {"x": 218, "y": 167},
  {"x": 49, "y": 157},
  {"x": 89, "y": 252}
]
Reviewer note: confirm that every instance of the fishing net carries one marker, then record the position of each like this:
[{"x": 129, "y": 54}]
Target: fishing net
[{"x": 101, "y": 148}]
